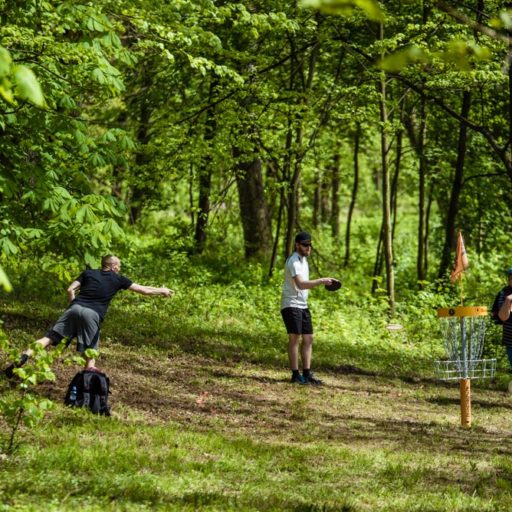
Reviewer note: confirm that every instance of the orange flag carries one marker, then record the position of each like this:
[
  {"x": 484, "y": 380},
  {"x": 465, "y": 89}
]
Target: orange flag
[{"x": 461, "y": 260}]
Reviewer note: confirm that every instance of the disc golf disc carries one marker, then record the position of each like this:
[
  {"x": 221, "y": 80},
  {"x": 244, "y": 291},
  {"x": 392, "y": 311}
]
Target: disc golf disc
[{"x": 335, "y": 285}]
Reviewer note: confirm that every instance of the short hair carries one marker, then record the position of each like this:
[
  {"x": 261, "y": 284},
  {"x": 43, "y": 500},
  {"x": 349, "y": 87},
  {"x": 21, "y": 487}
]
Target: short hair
[{"x": 107, "y": 260}]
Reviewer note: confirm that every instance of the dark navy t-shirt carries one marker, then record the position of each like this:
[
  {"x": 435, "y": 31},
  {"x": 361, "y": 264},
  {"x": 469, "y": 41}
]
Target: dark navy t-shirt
[
  {"x": 507, "y": 325},
  {"x": 98, "y": 287}
]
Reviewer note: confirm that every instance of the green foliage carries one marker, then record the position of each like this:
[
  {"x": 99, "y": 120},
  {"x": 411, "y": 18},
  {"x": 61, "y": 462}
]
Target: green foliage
[
  {"x": 18, "y": 81},
  {"x": 21, "y": 405},
  {"x": 4, "y": 281},
  {"x": 370, "y": 8}
]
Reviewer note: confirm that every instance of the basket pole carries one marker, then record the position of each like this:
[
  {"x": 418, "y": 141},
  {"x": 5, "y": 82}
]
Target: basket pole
[{"x": 465, "y": 402}]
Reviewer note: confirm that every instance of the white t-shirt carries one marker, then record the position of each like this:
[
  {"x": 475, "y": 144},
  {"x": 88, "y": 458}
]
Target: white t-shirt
[{"x": 293, "y": 297}]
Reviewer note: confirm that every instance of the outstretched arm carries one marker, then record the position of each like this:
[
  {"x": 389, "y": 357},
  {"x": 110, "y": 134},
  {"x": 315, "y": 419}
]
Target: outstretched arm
[
  {"x": 72, "y": 289},
  {"x": 302, "y": 284},
  {"x": 150, "y": 290}
]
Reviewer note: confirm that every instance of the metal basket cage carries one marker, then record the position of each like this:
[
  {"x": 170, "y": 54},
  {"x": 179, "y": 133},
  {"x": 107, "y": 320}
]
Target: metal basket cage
[
  {"x": 464, "y": 338},
  {"x": 468, "y": 369}
]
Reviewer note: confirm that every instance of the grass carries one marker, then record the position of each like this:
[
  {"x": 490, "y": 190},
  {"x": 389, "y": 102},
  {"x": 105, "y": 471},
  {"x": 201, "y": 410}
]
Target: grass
[{"x": 204, "y": 418}]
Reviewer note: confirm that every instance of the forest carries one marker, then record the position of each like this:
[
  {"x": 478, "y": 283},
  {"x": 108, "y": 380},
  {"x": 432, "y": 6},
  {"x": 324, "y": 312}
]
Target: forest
[
  {"x": 382, "y": 130},
  {"x": 194, "y": 140}
]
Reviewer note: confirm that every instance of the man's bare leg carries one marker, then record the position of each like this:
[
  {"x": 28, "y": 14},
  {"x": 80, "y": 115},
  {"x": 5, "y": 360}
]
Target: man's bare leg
[
  {"x": 90, "y": 363},
  {"x": 293, "y": 356},
  {"x": 307, "y": 351},
  {"x": 44, "y": 342},
  {"x": 293, "y": 351}
]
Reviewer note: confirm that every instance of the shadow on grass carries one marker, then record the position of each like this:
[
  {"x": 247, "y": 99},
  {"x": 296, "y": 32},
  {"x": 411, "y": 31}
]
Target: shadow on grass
[
  {"x": 267, "y": 347},
  {"x": 444, "y": 400},
  {"x": 37, "y": 323}
]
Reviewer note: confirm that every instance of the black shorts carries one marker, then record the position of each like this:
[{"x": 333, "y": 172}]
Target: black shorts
[{"x": 297, "y": 320}]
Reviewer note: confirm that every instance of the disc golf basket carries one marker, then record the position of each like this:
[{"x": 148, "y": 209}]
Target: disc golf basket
[{"x": 463, "y": 331}]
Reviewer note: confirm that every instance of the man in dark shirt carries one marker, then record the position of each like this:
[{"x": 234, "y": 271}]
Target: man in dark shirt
[
  {"x": 505, "y": 305},
  {"x": 87, "y": 310}
]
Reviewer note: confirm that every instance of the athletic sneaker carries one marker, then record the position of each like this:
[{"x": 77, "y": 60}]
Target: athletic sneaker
[
  {"x": 311, "y": 379},
  {"x": 298, "y": 379},
  {"x": 9, "y": 371}
]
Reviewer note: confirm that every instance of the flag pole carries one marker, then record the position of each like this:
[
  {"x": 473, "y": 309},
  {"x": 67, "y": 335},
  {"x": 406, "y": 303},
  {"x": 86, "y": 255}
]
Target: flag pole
[{"x": 460, "y": 265}]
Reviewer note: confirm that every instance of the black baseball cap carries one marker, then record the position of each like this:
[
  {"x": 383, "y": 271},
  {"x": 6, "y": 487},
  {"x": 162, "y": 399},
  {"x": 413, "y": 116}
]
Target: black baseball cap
[{"x": 303, "y": 236}]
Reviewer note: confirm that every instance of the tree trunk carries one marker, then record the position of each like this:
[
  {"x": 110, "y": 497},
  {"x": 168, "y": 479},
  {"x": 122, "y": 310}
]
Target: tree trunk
[
  {"x": 278, "y": 233},
  {"x": 335, "y": 197},
  {"x": 421, "y": 258},
  {"x": 456, "y": 189},
  {"x": 317, "y": 198},
  {"x": 293, "y": 198},
  {"x": 294, "y": 189},
  {"x": 353, "y": 198},
  {"x": 386, "y": 193},
  {"x": 422, "y": 232},
  {"x": 254, "y": 211},
  {"x": 205, "y": 180},
  {"x": 427, "y": 223},
  {"x": 139, "y": 190}
]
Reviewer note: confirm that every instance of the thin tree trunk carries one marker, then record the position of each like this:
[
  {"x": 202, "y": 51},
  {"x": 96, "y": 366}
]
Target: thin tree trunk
[
  {"x": 453, "y": 207},
  {"x": 427, "y": 223},
  {"x": 191, "y": 195},
  {"x": 278, "y": 233},
  {"x": 394, "y": 183},
  {"x": 293, "y": 191},
  {"x": 422, "y": 233},
  {"x": 205, "y": 180},
  {"x": 386, "y": 193},
  {"x": 139, "y": 190},
  {"x": 353, "y": 198},
  {"x": 325, "y": 207},
  {"x": 377, "y": 267},
  {"x": 335, "y": 197},
  {"x": 317, "y": 198},
  {"x": 379, "y": 259}
]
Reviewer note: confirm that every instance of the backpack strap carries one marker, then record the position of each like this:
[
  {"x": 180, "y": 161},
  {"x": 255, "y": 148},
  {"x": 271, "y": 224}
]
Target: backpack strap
[
  {"x": 87, "y": 388},
  {"x": 104, "y": 383},
  {"x": 104, "y": 408},
  {"x": 98, "y": 402}
]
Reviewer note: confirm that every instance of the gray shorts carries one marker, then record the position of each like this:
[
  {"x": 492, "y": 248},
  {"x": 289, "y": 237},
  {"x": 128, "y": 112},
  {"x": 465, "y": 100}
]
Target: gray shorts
[{"x": 80, "y": 323}]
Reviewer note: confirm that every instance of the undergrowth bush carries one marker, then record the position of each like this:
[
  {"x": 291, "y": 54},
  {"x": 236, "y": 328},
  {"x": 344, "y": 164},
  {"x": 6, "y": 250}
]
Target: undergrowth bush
[{"x": 227, "y": 307}]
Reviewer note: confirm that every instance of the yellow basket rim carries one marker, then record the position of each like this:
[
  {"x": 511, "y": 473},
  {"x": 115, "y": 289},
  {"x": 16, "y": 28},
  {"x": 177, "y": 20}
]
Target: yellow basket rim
[{"x": 462, "y": 311}]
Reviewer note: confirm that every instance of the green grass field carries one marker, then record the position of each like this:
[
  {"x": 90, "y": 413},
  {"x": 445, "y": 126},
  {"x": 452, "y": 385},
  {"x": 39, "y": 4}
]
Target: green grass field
[{"x": 204, "y": 417}]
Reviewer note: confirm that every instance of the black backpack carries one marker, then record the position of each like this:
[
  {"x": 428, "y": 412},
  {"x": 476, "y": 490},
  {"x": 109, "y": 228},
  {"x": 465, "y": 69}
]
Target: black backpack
[{"x": 89, "y": 389}]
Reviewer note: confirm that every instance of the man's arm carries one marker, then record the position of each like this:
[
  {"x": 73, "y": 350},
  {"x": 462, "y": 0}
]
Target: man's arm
[
  {"x": 72, "y": 289},
  {"x": 303, "y": 284},
  {"x": 505, "y": 308},
  {"x": 150, "y": 290}
]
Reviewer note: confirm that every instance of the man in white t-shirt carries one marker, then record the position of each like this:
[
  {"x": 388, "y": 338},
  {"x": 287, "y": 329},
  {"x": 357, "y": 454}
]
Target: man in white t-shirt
[{"x": 295, "y": 312}]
